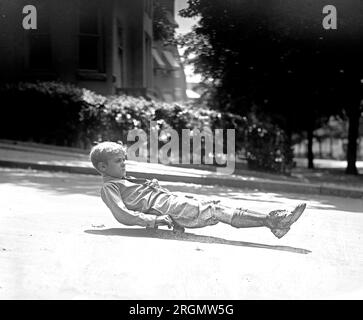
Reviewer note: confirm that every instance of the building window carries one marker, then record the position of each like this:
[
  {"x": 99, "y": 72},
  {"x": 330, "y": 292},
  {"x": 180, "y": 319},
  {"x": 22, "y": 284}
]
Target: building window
[
  {"x": 174, "y": 64},
  {"x": 90, "y": 36},
  {"x": 40, "y": 48},
  {"x": 158, "y": 61}
]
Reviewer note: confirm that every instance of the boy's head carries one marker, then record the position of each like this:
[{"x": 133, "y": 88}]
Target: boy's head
[{"x": 108, "y": 158}]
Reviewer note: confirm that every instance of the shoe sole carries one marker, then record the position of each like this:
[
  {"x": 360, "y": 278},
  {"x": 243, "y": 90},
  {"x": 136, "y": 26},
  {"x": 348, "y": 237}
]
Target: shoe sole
[{"x": 296, "y": 214}]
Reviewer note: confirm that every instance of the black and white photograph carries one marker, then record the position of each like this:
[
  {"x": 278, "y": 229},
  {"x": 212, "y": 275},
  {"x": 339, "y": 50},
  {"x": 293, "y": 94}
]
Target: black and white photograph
[{"x": 195, "y": 150}]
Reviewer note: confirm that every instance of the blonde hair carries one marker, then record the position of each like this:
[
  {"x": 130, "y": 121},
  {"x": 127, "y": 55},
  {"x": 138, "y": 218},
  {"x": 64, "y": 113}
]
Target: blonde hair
[{"x": 104, "y": 151}]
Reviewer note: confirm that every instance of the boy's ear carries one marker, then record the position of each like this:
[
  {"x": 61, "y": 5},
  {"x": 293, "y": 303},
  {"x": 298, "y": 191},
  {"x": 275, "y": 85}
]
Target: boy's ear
[{"x": 102, "y": 166}]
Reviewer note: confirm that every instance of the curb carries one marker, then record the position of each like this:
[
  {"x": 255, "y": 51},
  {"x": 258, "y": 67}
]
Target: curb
[{"x": 220, "y": 181}]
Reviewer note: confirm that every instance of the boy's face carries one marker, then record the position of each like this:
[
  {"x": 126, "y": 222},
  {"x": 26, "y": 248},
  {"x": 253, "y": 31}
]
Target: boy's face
[{"x": 115, "y": 166}]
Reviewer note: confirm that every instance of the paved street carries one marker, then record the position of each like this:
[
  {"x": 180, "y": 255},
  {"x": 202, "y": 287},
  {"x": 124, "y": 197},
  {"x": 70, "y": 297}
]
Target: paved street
[{"x": 59, "y": 241}]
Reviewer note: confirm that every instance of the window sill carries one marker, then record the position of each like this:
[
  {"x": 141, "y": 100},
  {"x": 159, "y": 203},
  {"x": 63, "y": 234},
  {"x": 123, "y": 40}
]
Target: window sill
[{"x": 91, "y": 75}]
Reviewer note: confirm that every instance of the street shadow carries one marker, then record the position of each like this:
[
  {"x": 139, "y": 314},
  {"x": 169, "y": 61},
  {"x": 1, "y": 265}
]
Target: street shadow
[
  {"x": 59, "y": 183},
  {"x": 169, "y": 235}
]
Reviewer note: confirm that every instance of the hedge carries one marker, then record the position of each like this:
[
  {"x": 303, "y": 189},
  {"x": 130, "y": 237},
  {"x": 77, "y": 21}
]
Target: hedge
[{"x": 63, "y": 114}]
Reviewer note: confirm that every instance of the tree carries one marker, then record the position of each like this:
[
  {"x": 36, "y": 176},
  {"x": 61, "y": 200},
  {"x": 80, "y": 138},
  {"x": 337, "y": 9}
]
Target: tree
[
  {"x": 163, "y": 28},
  {"x": 277, "y": 58}
]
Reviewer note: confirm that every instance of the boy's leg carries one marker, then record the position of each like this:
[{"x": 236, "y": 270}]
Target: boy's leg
[
  {"x": 278, "y": 221},
  {"x": 240, "y": 218}
]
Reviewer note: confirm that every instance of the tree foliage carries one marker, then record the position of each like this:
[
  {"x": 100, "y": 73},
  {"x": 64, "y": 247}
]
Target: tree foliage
[
  {"x": 163, "y": 28},
  {"x": 78, "y": 117},
  {"x": 275, "y": 57}
]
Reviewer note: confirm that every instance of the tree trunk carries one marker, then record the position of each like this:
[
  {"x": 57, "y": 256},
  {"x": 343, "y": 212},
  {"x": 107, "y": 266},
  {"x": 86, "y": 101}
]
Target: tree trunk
[
  {"x": 310, "y": 148},
  {"x": 353, "y": 134}
]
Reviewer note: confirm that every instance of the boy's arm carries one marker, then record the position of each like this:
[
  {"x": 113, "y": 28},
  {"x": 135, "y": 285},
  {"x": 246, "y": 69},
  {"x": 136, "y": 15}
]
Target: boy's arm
[{"x": 111, "y": 197}]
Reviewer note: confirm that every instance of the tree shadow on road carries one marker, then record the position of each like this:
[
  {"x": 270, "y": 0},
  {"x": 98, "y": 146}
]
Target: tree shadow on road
[{"x": 169, "y": 235}]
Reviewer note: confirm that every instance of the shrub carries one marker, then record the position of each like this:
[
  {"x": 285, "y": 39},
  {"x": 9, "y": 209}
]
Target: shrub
[
  {"x": 63, "y": 114},
  {"x": 45, "y": 112},
  {"x": 268, "y": 148}
]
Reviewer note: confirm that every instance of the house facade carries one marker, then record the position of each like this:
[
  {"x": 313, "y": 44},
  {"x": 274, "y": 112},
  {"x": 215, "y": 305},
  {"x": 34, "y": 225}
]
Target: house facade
[
  {"x": 103, "y": 45},
  {"x": 169, "y": 77}
]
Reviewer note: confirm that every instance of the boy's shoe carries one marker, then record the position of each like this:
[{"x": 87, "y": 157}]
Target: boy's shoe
[{"x": 279, "y": 221}]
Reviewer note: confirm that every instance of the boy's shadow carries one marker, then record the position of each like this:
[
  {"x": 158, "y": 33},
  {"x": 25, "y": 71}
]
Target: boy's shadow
[{"x": 169, "y": 235}]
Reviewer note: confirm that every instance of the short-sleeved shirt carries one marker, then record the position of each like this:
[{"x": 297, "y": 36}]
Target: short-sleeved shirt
[{"x": 135, "y": 203}]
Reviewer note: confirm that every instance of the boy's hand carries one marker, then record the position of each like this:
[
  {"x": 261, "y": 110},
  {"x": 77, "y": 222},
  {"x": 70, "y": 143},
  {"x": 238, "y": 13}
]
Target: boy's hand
[
  {"x": 154, "y": 183},
  {"x": 164, "y": 220}
]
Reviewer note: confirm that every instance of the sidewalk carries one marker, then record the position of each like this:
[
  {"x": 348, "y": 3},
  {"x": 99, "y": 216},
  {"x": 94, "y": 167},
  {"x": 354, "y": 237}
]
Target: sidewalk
[{"x": 54, "y": 158}]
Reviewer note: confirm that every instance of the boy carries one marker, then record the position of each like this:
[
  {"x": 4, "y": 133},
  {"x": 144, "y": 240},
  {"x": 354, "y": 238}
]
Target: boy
[{"x": 144, "y": 203}]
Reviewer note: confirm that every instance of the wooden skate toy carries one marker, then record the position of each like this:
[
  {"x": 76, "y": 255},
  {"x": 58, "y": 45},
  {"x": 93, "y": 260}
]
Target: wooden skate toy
[{"x": 177, "y": 229}]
